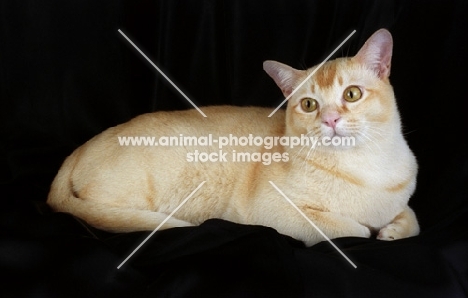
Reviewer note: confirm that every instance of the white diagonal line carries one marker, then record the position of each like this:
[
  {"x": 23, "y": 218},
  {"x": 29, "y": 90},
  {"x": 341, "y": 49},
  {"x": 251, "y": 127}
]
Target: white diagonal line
[
  {"x": 312, "y": 73},
  {"x": 161, "y": 224},
  {"x": 160, "y": 71},
  {"x": 313, "y": 224}
]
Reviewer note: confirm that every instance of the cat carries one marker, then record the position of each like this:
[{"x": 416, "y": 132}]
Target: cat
[{"x": 354, "y": 190}]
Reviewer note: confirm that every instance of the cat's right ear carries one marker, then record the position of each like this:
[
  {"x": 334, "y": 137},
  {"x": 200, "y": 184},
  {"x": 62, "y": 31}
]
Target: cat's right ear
[{"x": 284, "y": 76}]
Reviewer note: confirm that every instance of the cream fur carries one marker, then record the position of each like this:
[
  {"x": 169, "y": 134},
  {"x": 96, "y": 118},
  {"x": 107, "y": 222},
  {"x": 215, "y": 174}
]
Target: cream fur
[{"x": 345, "y": 191}]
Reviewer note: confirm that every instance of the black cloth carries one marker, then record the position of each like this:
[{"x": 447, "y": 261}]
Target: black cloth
[{"x": 66, "y": 74}]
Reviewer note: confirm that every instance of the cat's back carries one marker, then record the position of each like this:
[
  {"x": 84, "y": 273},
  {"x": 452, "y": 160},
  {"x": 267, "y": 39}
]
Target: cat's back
[
  {"x": 143, "y": 134},
  {"x": 220, "y": 120}
]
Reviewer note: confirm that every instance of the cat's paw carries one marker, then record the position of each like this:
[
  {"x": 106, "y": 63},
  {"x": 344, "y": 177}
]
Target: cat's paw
[
  {"x": 352, "y": 228},
  {"x": 391, "y": 232},
  {"x": 364, "y": 232}
]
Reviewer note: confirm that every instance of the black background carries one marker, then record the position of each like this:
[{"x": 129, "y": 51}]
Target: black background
[{"x": 67, "y": 74}]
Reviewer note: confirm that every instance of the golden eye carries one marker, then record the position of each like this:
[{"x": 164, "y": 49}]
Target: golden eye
[
  {"x": 309, "y": 104},
  {"x": 352, "y": 93}
]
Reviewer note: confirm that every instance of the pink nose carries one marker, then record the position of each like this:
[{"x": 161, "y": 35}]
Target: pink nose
[{"x": 331, "y": 119}]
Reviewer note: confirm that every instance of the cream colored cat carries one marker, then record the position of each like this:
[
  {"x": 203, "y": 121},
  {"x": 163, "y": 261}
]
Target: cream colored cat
[{"x": 344, "y": 190}]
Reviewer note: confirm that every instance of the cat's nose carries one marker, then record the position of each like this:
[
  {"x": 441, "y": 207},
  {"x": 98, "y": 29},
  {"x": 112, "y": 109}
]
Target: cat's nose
[{"x": 331, "y": 119}]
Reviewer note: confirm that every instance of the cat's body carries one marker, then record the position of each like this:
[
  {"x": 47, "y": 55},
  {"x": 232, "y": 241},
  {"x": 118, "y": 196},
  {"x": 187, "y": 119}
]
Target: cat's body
[{"x": 346, "y": 191}]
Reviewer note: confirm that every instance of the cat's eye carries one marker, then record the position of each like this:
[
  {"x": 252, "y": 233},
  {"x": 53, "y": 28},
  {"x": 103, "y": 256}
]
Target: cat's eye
[
  {"x": 309, "y": 104},
  {"x": 352, "y": 93}
]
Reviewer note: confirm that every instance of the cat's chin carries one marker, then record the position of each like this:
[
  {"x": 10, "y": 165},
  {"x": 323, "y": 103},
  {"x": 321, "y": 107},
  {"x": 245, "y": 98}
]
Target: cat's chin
[
  {"x": 332, "y": 139},
  {"x": 334, "y": 133},
  {"x": 335, "y": 147}
]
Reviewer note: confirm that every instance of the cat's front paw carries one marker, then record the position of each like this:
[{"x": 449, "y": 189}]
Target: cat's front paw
[
  {"x": 351, "y": 228},
  {"x": 391, "y": 232},
  {"x": 366, "y": 232}
]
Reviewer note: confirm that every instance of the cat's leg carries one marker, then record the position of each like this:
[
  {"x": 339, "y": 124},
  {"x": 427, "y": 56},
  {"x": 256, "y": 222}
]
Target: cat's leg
[
  {"x": 403, "y": 225},
  {"x": 333, "y": 225},
  {"x": 113, "y": 218}
]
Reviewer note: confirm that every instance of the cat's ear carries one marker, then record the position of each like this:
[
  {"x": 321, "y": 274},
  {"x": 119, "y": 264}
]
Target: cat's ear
[
  {"x": 284, "y": 76},
  {"x": 376, "y": 53}
]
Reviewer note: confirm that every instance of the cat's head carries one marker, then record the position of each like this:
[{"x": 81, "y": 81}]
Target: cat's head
[{"x": 346, "y": 97}]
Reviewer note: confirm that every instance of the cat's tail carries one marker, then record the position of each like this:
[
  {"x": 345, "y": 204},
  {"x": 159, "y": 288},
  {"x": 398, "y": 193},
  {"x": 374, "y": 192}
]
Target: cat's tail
[{"x": 62, "y": 198}]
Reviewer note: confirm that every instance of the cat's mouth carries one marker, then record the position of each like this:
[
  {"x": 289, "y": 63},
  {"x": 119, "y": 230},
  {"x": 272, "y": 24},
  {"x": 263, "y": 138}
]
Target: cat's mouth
[
  {"x": 338, "y": 137},
  {"x": 332, "y": 132}
]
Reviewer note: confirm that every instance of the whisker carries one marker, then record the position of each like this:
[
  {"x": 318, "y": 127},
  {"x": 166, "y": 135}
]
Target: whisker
[
  {"x": 303, "y": 146},
  {"x": 408, "y": 132},
  {"x": 312, "y": 149},
  {"x": 377, "y": 131},
  {"x": 367, "y": 137}
]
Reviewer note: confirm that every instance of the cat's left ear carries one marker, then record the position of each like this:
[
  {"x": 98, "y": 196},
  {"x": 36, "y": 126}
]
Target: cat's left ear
[{"x": 376, "y": 53}]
